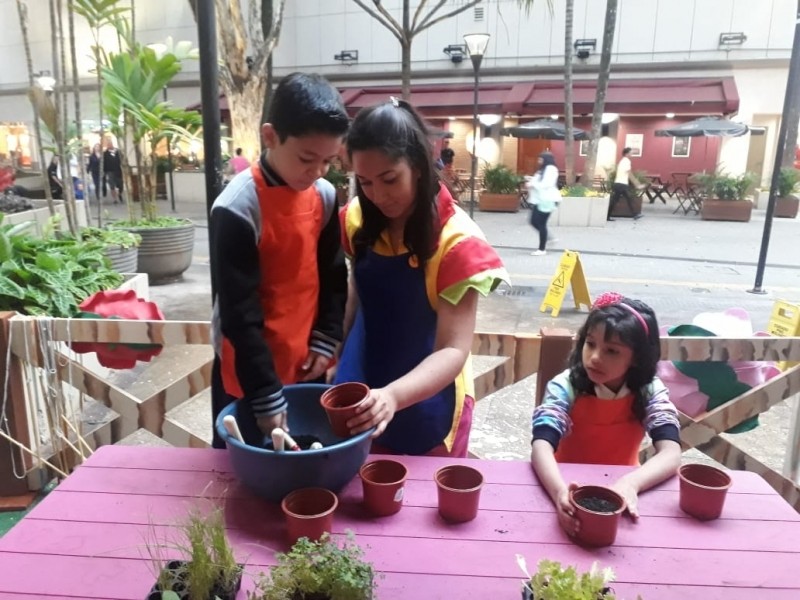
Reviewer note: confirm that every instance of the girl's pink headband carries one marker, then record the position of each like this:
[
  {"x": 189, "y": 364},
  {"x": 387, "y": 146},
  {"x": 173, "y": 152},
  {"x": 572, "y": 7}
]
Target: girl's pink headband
[{"x": 615, "y": 299}]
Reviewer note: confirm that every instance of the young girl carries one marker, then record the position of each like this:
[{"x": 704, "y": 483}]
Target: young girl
[
  {"x": 544, "y": 196},
  {"x": 598, "y": 410},
  {"x": 418, "y": 265}
]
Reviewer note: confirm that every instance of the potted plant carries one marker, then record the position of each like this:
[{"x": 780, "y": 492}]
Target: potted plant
[
  {"x": 133, "y": 83},
  {"x": 786, "y": 203},
  {"x": 322, "y": 570},
  {"x": 552, "y": 581},
  {"x": 120, "y": 246},
  {"x": 210, "y": 569},
  {"x": 598, "y": 511},
  {"x": 581, "y": 207},
  {"x": 339, "y": 179},
  {"x": 501, "y": 190},
  {"x": 726, "y": 196}
]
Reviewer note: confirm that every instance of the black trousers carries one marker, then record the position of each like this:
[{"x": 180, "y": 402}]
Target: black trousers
[
  {"x": 539, "y": 223},
  {"x": 617, "y": 191}
]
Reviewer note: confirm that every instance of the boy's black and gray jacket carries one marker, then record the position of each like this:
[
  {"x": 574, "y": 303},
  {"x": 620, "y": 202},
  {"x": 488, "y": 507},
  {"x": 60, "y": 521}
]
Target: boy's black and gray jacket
[{"x": 238, "y": 316}]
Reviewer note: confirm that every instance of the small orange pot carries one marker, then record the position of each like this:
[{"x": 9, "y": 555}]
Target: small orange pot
[
  {"x": 703, "y": 490},
  {"x": 600, "y": 520},
  {"x": 340, "y": 403},
  {"x": 309, "y": 513},
  {"x": 459, "y": 488},
  {"x": 384, "y": 484}
]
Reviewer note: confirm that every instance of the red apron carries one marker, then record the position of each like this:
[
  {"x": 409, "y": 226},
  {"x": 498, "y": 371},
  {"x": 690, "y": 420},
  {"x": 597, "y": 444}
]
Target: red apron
[
  {"x": 604, "y": 432},
  {"x": 291, "y": 223}
]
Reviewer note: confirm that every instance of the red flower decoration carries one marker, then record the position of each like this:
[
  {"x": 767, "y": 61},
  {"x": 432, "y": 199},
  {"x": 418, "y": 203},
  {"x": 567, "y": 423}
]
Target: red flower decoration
[
  {"x": 607, "y": 299},
  {"x": 119, "y": 304}
]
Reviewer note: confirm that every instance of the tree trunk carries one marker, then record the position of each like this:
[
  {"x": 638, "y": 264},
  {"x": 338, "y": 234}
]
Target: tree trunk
[
  {"x": 602, "y": 88},
  {"x": 791, "y": 130},
  {"x": 266, "y": 24},
  {"x": 78, "y": 123},
  {"x": 405, "y": 47},
  {"x": 22, "y": 11},
  {"x": 569, "y": 140},
  {"x": 246, "y": 106}
]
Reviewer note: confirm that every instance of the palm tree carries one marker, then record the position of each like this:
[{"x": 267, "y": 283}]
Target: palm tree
[{"x": 602, "y": 88}]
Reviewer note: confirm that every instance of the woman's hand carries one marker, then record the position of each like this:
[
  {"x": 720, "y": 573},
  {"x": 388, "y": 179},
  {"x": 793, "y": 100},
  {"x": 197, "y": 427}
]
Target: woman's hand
[
  {"x": 566, "y": 512},
  {"x": 631, "y": 496},
  {"x": 267, "y": 424},
  {"x": 376, "y": 411}
]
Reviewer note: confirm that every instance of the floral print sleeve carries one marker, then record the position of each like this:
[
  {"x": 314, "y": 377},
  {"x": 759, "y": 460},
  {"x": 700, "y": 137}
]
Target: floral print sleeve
[
  {"x": 551, "y": 419},
  {"x": 660, "y": 415}
]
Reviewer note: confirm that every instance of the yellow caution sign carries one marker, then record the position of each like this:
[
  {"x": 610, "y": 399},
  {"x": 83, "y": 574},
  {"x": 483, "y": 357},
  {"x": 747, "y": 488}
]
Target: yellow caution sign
[
  {"x": 569, "y": 272},
  {"x": 784, "y": 322}
]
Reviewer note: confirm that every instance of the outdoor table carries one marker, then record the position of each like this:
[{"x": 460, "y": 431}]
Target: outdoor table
[
  {"x": 85, "y": 539},
  {"x": 656, "y": 189}
]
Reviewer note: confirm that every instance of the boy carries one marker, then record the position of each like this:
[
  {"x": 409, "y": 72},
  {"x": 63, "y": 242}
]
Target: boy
[{"x": 276, "y": 261}]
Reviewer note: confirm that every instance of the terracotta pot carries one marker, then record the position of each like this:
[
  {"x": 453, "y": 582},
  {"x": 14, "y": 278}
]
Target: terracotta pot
[
  {"x": 786, "y": 207},
  {"x": 703, "y": 490},
  {"x": 309, "y": 513},
  {"x": 340, "y": 403},
  {"x": 384, "y": 483},
  {"x": 459, "y": 488},
  {"x": 597, "y": 528}
]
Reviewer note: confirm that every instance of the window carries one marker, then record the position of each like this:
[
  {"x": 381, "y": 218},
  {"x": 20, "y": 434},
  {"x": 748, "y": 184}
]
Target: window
[
  {"x": 583, "y": 149},
  {"x": 478, "y": 14},
  {"x": 681, "y": 147},
  {"x": 634, "y": 141}
]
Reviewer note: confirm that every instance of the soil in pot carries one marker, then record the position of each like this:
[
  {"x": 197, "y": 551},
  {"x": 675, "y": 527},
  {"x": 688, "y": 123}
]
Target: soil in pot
[
  {"x": 304, "y": 441},
  {"x": 598, "y": 510},
  {"x": 176, "y": 574},
  {"x": 600, "y": 505}
]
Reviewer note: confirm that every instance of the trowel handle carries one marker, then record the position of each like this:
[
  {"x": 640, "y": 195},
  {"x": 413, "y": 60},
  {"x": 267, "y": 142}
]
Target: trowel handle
[
  {"x": 278, "y": 437},
  {"x": 232, "y": 427}
]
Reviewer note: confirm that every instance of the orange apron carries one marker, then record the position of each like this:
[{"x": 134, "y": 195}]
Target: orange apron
[
  {"x": 604, "y": 432},
  {"x": 291, "y": 223}
]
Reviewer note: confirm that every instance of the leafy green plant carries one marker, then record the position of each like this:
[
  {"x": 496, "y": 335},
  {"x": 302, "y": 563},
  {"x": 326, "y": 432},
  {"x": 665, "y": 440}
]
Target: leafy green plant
[
  {"x": 579, "y": 191},
  {"x": 156, "y": 222},
  {"x": 111, "y": 237},
  {"x": 499, "y": 179},
  {"x": 337, "y": 177},
  {"x": 321, "y": 570},
  {"x": 552, "y": 581},
  {"x": 726, "y": 187},
  {"x": 50, "y": 276},
  {"x": 787, "y": 181}
]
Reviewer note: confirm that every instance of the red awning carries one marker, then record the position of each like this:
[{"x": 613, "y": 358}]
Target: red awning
[{"x": 696, "y": 96}]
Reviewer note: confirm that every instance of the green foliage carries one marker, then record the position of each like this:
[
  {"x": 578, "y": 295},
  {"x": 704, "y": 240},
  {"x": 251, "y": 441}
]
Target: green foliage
[
  {"x": 579, "y": 191},
  {"x": 322, "y": 569},
  {"x": 726, "y": 187},
  {"x": 787, "y": 181},
  {"x": 151, "y": 223},
  {"x": 554, "y": 582},
  {"x": 50, "y": 276},
  {"x": 111, "y": 237},
  {"x": 499, "y": 179},
  {"x": 337, "y": 177}
]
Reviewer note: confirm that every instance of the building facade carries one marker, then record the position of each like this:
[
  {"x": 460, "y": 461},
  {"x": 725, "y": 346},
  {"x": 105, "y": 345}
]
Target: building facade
[{"x": 672, "y": 60}]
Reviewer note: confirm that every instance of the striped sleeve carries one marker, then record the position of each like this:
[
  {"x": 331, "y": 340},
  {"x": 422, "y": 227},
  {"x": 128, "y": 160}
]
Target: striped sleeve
[
  {"x": 660, "y": 416},
  {"x": 551, "y": 420}
]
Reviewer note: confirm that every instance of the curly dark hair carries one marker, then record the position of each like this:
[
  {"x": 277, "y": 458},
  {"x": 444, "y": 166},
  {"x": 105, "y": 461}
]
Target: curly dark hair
[
  {"x": 396, "y": 129},
  {"x": 646, "y": 347}
]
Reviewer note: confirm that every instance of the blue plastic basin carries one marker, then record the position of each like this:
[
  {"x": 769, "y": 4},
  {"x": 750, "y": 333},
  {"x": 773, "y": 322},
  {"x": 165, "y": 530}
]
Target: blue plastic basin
[{"x": 271, "y": 474}]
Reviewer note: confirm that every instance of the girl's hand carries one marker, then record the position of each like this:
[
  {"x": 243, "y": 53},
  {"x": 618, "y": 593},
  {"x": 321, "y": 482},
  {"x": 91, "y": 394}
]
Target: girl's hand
[
  {"x": 376, "y": 411},
  {"x": 631, "y": 496},
  {"x": 566, "y": 512}
]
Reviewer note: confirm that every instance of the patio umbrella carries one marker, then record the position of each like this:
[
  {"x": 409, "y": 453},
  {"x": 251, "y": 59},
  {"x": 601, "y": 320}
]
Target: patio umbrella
[
  {"x": 438, "y": 132},
  {"x": 544, "y": 129},
  {"x": 707, "y": 127}
]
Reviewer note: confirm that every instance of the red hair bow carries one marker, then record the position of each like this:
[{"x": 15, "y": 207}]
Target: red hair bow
[{"x": 607, "y": 299}]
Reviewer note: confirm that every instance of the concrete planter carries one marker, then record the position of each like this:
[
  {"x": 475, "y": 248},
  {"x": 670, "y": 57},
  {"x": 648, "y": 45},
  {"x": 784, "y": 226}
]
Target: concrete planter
[
  {"x": 123, "y": 260},
  {"x": 40, "y": 215},
  {"x": 726, "y": 210},
  {"x": 581, "y": 212},
  {"x": 165, "y": 252},
  {"x": 786, "y": 207},
  {"x": 498, "y": 202}
]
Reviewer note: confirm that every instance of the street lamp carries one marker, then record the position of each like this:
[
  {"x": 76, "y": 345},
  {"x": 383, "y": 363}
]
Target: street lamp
[{"x": 476, "y": 47}]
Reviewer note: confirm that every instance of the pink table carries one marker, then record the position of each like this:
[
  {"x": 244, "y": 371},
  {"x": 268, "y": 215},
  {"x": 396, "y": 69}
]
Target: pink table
[{"x": 85, "y": 540}]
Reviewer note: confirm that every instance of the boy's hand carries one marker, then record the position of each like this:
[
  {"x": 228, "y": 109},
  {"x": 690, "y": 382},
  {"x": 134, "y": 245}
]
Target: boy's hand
[
  {"x": 267, "y": 424},
  {"x": 630, "y": 495},
  {"x": 566, "y": 512},
  {"x": 377, "y": 411},
  {"x": 314, "y": 366}
]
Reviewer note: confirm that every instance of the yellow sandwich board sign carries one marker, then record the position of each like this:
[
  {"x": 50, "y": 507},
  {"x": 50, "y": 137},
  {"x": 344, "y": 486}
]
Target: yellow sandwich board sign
[
  {"x": 569, "y": 272},
  {"x": 784, "y": 322}
]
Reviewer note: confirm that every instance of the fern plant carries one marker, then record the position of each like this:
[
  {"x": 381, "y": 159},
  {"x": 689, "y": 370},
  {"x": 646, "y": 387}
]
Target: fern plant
[{"x": 50, "y": 276}]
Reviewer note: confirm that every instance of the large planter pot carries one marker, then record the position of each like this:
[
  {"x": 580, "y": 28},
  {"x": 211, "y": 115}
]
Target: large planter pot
[
  {"x": 621, "y": 208},
  {"x": 40, "y": 216},
  {"x": 498, "y": 202},
  {"x": 165, "y": 252},
  {"x": 726, "y": 210},
  {"x": 786, "y": 207},
  {"x": 598, "y": 509},
  {"x": 578, "y": 211},
  {"x": 123, "y": 260}
]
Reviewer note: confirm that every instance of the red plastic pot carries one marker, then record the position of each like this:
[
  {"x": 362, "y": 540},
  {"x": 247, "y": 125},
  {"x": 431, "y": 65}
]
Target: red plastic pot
[
  {"x": 309, "y": 513},
  {"x": 459, "y": 488},
  {"x": 340, "y": 403},
  {"x": 384, "y": 484},
  {"x": 702, "y": 490},
  {"x": 597, "y": 528}
]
